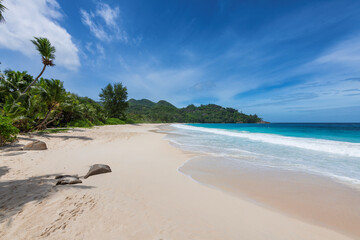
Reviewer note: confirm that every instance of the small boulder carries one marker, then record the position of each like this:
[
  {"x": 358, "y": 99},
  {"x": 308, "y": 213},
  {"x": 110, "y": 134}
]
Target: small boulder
[
  {"x": 98, "y": 169},
  {"x": 68, "y": 180},
  {"x": 37, "y": 145}
]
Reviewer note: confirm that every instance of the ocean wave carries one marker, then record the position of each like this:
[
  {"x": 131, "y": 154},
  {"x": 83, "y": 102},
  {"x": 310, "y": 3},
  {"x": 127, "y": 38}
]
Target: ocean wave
[{"x": 328, "y": 146}]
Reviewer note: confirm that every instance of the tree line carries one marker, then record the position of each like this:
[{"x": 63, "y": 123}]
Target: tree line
[
  {"x": 147, "y": 111},
  {"x": 32, "y": 104}
]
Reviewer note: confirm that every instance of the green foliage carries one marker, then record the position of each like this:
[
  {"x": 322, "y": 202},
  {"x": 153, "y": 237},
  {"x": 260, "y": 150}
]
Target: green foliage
[
  {"x": 14, "y": 81},
  {"x": 46, "y": 104},
  {"x": 35, "y": 105},
  {"x": 114, "y": 121},
  {"x": 114, "y": 100},
  {"x": 85, "y": 123},
  {"x": 130, "y": 121},
  {"x": 7, "y": 131},
  {"x": 147, "y": 111},
  {"x": 46, "y": 50},
  {"x": 52, "y": 95},
  {"x": 13, "y": 103},
  {"x": 80, "y": 108},
  {"x": 2, "y": 9},
  {"x": 140, "y": 105},
  {"x": 98, "y": 123}
]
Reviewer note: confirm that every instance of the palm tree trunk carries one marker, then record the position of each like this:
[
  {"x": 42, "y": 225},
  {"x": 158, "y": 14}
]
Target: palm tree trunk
[
  {"x": 2, "y": 140},
  {"x": 52, "y": 120},
  {"x": 33, "y": 82},
  {"x": 41, "y": 125}
]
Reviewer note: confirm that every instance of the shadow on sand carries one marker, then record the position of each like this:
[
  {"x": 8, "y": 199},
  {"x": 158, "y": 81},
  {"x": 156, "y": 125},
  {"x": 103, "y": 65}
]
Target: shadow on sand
[
  {"x": 54, "y": 135},
  {"x": 16, "y": 146},
  {"x": 14, "y": 194},
  {"x": 4, "y": 170}
]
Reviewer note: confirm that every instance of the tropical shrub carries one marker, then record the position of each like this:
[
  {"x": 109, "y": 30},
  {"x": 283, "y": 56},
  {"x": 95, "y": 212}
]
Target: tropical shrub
[
  {"x": 85, "y": 123},
  {"x": 7, "y": 131},
  {"x": 98, "y": 123},
  {"x": 52, "y": 95},
  {"x": 38, "y": 103},
  {"x": 114, "y": 121},
  {"x": 129, "y": 121}
]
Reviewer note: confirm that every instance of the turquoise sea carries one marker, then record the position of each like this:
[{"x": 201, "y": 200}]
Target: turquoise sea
[{"x": 327, "y": 149}]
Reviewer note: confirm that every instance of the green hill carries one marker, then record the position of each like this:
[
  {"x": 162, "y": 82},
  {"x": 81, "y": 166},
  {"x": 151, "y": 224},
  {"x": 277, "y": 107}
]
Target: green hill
[
  {"x": 142, "y": 106},
  {"x": 145, "y": 110}
]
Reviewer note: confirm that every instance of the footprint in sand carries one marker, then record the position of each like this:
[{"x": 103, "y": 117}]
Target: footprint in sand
[{"x": 73, "y": 207}]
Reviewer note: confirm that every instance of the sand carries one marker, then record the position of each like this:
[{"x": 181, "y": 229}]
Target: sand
[
  {"x": 144, "y": 197},
  {"x": 317, "y": 199}
]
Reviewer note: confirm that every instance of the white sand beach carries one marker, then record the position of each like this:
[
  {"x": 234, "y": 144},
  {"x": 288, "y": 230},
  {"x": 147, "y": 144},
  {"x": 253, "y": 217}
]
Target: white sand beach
[{"x": 144, "y": 197}]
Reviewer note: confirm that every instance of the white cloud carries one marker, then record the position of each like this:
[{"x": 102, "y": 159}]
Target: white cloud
[
  {"x": 26, "y": 19},
  {"x": 109, "y": 15},
  {"x": 97, "y": 30},
  {"x": 95, "y": 49},
  {"x": 345, "y": 53},
  {"x": 104, "y": 23},
  {"x": 100, "y": 49}
]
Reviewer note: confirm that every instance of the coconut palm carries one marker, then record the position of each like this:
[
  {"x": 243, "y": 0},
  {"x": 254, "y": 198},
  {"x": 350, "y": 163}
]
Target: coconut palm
[
  {"x": 2, "y": 9},
  {"x": 52, "y": 94},
  {"x": 20, "y": 108},
  {"x": 47, "y": 52},
  {"x": 13, "y": 81}
]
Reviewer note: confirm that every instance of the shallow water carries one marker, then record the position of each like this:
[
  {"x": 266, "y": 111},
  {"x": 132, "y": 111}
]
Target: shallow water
[
  {"x": 309, "y": 173},
  {"x": 331, "y": 150}
]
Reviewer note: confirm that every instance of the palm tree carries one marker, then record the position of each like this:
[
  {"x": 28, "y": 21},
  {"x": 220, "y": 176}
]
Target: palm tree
[
  {"x": 52, "y": 95},
  {"x": 47, "y": 52},
  {"x": 2, "y": 9},
  {"x": 14, "y": 81}
]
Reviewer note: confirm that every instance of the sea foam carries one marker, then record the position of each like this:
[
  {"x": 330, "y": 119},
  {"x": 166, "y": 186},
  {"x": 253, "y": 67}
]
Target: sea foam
[{"x": 328, "y": 146}]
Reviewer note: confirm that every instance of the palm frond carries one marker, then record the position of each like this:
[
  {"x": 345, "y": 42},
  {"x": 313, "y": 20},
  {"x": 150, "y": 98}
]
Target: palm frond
[
  {"x": 46, "y": 50},
  {"x": 2, "y": 9}
]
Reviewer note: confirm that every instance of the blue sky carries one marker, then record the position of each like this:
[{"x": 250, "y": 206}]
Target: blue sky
[{"x": 284, "y": 60}]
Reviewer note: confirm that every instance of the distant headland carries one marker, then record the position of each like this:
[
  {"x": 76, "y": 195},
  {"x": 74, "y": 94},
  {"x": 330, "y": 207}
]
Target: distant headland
[{"x": 145, "y": 110}]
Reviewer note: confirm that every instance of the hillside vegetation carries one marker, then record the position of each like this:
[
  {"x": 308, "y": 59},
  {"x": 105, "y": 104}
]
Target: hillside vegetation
[{"x": 145, "y": 110}]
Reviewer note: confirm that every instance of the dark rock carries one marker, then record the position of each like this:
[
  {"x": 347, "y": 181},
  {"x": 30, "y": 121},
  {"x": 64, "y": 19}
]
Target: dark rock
[
  {"x": 37, "y": 145},
  {"x": 68, "y": 180},
  {"x": 98, "y": 169}
]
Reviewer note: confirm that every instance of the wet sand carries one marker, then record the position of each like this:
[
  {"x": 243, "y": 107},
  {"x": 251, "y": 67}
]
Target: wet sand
[{"x": 315, "y": 199}]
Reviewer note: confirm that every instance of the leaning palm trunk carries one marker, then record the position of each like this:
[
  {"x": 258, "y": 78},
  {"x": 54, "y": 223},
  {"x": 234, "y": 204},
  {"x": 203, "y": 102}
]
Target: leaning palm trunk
[
  {"x": 52, "y": 120},
  {"x": 33, "y": 82},
  {"x": 2, "y": 140},
  {"x": 47, "y": 52},
  {"x": 45, "y": 122},
  {"x": 42, "y": 125}
]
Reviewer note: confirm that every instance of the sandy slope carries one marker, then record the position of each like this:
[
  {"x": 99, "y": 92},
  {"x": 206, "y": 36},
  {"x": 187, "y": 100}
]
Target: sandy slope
[{"x": 145, "y": 197}]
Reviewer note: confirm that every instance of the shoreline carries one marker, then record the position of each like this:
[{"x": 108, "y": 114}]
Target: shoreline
[
  {"x": 145, "y": 197},
  {"x": 325, "y": 201},
  {"x": 312, "y": 198}
]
